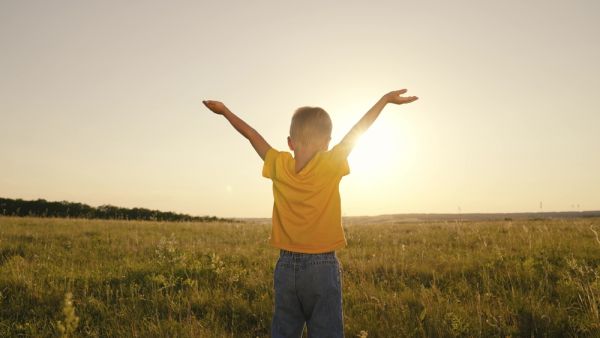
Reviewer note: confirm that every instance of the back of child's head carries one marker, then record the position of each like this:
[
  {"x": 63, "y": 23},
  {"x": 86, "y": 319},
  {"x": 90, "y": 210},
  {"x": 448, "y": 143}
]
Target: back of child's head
[{"x": 310, "y": 126}]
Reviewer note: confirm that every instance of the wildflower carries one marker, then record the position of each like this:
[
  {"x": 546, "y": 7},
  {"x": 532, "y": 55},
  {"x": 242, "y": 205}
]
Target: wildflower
[{"x": 68, "y": 327}]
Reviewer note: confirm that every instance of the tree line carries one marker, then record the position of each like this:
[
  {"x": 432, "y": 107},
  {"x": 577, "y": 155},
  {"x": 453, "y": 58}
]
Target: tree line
[{"x": 43, "y": 208}]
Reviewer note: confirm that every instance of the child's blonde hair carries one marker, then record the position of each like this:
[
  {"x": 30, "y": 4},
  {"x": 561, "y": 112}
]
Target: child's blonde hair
[{"x": 310, "y": 125}]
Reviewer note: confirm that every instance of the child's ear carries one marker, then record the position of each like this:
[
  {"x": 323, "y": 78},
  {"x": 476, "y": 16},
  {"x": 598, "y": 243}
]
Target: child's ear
[{"x": 290, "y": 143}]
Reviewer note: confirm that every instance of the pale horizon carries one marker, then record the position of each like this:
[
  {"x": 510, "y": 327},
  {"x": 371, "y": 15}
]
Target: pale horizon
[{"x": 100, "y": 102}]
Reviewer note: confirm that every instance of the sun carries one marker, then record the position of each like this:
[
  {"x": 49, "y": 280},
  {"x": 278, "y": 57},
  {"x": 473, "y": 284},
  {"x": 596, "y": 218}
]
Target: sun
[{"x": 379, "y": 150}]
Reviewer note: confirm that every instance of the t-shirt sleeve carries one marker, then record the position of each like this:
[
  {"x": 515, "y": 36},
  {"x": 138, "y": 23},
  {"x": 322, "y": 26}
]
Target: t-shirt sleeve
[
  {"x": 268, "y": 170},
  {"x": 339, "y": 157}
]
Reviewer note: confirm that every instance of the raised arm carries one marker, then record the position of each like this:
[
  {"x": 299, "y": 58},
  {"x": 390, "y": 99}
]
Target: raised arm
[
  {"x": 371, "y": 115},
  {"x": 258, "y": 142}
]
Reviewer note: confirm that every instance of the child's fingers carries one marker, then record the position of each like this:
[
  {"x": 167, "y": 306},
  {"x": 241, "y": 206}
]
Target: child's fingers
[
  {"x": 209, "y": 104},
  {"x": 398, "y": 92}
]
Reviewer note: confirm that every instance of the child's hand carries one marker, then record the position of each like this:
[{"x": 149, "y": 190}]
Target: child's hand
[
  {"x": 216, "y": 107},
  {"x": 395, "y": 98}
]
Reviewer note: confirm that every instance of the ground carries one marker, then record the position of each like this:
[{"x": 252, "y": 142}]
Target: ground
[{"x": 436, "y": 279}]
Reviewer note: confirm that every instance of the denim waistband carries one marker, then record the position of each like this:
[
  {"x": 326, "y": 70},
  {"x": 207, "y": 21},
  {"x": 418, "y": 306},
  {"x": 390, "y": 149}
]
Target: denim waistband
[{"x": 285, "y": 253}]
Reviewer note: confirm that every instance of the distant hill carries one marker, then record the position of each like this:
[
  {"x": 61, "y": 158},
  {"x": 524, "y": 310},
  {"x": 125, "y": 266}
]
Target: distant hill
[
  {"x": 399, "y": 218},
  {"x": 43, "y": 208},
  {"x": 402, "y": 218}
]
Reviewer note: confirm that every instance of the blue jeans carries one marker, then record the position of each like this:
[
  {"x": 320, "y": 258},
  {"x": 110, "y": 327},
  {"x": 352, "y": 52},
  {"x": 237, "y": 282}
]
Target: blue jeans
[{"x": 308, "y": 289}]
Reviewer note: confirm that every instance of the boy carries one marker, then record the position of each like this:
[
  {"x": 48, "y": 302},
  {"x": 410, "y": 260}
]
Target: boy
[{"x": 307, "y": 225}]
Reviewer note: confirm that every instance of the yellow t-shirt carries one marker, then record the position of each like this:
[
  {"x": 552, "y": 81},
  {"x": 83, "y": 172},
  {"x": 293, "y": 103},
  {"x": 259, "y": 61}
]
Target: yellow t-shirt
[{"x": 307, "y": 213}]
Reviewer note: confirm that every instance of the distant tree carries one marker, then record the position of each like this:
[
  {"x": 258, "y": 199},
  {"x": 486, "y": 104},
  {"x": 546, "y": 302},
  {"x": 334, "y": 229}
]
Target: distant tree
[{"x": 43, "y": 208}]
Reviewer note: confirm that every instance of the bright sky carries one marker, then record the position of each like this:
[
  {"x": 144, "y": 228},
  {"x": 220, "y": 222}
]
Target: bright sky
[{"x": 100, "y": 101}]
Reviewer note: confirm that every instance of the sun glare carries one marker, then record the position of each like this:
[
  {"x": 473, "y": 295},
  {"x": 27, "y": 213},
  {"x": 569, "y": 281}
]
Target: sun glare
[{"x": 380, "y": 149}]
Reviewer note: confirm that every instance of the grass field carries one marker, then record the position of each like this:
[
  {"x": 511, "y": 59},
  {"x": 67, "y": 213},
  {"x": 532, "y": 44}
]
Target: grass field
[{"x": 537, "y": 278}]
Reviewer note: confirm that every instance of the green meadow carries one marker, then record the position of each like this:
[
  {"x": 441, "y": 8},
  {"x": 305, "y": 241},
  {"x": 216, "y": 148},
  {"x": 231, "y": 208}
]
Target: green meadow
[{"x": 93, "y": 278}]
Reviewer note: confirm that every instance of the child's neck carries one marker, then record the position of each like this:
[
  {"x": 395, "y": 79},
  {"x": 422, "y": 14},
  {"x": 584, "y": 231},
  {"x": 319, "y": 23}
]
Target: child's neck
[{"x": 303, "y": 155}]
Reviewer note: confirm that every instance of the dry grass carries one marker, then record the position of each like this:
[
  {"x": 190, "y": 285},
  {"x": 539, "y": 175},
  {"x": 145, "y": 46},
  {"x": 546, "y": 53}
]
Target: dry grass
[{"x": 476, "y": 279}]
